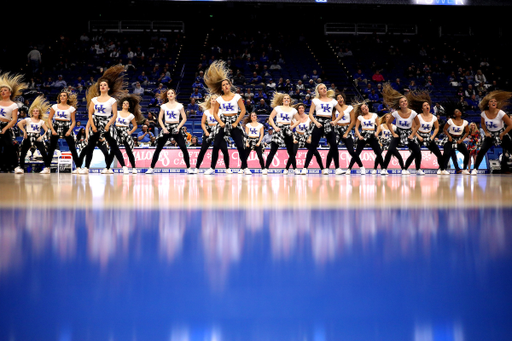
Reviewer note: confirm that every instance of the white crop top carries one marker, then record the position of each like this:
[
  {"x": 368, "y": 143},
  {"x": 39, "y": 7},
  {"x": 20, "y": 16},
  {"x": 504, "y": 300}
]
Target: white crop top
[
  {"x": 368, "y": 124},
  {"x": 303, "y": 126},
  {"x": 124, "y": 122},
  {"x": 6, "y": 112},
  {"x": 404, "y": 123},
  {"x": 495, "y": 124},
  {"x": 33, "y": 127},
  {"x": 210, "y": 120},
  {"x": 455, "y": 129},
  {"x": 386, "y": 133},
  {"x": 426, "y": 127},
  {"x": 284, "y": 117},
  {"x": 346, "y": 115},
  {"x": 103, "y": 108},
  {"x": 63, "y": 115},
  {"x": 324, "y": 109},
  {"x": 228, "y": 107},
  {"x": 172, "y": 115},
  {"x": 254, "y": 131}
]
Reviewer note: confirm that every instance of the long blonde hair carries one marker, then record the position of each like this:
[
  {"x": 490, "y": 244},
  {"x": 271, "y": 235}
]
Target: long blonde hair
[
  {"x": 502, "y": 97},
  {"x": 277, "y": 99},
  {"x": 391, "y": 97},
  {"x": 42, "y": 105},
  {"x": 215, "y": 75},
  {"x": 207, "y": 103},
  {"x": 13, "y": 82},
  {"x": 357, "y": 107},
  {"x": 417, "y": 98},
  {"x": 330, "y": 93}
]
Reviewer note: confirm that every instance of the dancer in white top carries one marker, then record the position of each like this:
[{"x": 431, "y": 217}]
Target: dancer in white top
[
  {"x": 303, "y": 126},
  {"x": 322, "y": 106},
  {"x": 368, "y": 122},
  {"x": 407, "y": 124},
  {"x": 130, "y": 113},
  {"x": 429, "y": 126},
  {"x": 229, "y": 110},
  {"x": 345, "y": 122},
  {"x": 61, "y": 122},
  {"x": 11, "y": 86},
  {"x": 209, "y": 125},
  {"x": 255, "y": 132},
  {"x": 171, "y": 118},
  {"x": 31, "y": 128},
  {"x": 456, "y": 130},
  {"x": 102, "y": 108},
  {"x": 284, "y": 113},
  {"x": 495, "y": 123}
]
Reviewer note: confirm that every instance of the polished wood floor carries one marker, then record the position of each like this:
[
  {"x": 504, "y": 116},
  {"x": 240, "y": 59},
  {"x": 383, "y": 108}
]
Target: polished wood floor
[{"x": 181, "y": 191}]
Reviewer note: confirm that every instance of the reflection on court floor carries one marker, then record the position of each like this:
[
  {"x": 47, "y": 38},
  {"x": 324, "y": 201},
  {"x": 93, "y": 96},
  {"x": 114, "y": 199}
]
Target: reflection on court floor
[{"x": 189, "y": 258}]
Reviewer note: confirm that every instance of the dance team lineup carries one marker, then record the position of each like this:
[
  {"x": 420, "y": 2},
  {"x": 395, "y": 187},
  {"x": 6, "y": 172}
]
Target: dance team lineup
[{"x": 114, "y": 115}]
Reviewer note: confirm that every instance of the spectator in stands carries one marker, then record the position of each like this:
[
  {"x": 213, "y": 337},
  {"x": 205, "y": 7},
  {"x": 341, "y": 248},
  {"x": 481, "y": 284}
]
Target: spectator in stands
[
  {"x": 196, "y": 95},
  {"x": 239, "y": 78},
  {"x": 472, "y": 102},
  {"x": 160, "y": 89},
  {"x": 397, "y": 85},
  {"x": 144, "y": 136},
  {"x": 368, "y": 90},
  {"x": 300, "y": 86},
  {"x": 480, "y": 77},
  {"x": 249, "y": 106},
  {"x": 138, "y": 89},
  {"x": 164, "y": 79},
  {"x": 256, "y": 79},
  {"x": 493, "y": 87},
  {"x": 260, "y": 95},
  {"x": 481, "y": 88},
  {"x": 248, "y": 94},
  {"x": 377, "y": 77},
  {"x": 333, "y": 87},
  {"x": 359, "y": 77},
  {"x": 262, "y": 108},
  {"x": 198, "y": 85},
  {"x": 152, "y": 123},
  {"x": 189, "y": 136},
  {"x": 288, "y": 86},
  {"x": 194, "y": 142},
  {"x": 271, "y": 85},
  {"x": 143, "y": 79},
  {"x": 307, "y": 101},
  {"x": 463, "y": 104},
  {"x": 470, "y": 91},
  {"x": 34, "y": 60},
  {"x": 275, "y": 65},
  {"x": 60, "y": 82},
  {"x": 192, "y": 108},
  {"x": 267, "y": 139},
  {"x": 78, "y": 127},
  {"x": 373, "y": 97},
  {"x": 314, "y": 75},
  {"x": 439, "y": 109},
  {"x": 412, "y": 86}
]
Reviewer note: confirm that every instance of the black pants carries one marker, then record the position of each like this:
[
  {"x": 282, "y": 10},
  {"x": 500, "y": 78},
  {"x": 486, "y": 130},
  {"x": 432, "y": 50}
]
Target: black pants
[
  {"x": 349, "y": 143},
  {"x": 432, "y": 146},
  {"x": 25, "y": 146},
  {"x": 288, "y": 140},
  {"x": 415, "y": 156},
  {"x": 316, "y": 135},
  {"x": 506, "y": 144},
  {"x": 84, "y": 152},
  {"x": 54, "y": 139},
  {"x": 9, "y": 157},
  {"x": 449, "y": 151},
  {"x": 180, "y": 140},
  {"x": 259, "y": 152},
  {"x": 115, "y": 151},
  {"x": 314, "y": 151},
  {"x": 204, "y": 147},
  {"x": 393, "y": 151},
  {"x": 374, "y": 144},
  {"x": 236, "y": 135}
]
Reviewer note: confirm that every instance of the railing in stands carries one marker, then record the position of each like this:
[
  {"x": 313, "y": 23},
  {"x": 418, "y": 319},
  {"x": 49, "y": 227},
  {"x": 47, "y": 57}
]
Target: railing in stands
[
  {"x": 360, "y": 29},
  {"x": 181, "y": 78},
  {"x": 136, "y": 26}
]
